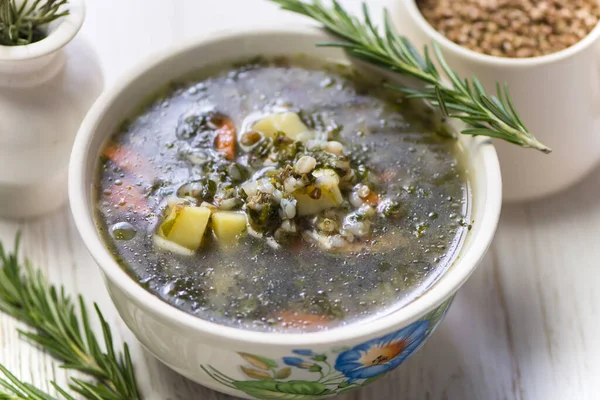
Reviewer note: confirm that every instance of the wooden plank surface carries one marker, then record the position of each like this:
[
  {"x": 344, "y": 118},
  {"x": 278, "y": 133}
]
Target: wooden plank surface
[{"x": 523, "y": 327}]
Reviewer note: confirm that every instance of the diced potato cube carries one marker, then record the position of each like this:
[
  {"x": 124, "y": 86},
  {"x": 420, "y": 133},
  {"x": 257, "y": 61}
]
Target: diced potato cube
[
  {"x": 168, "y": 223},
  {"x": 250, "y": 188},
  {"x": 306, "y": 205},
  {"x": 228, "y": 226},
  {"x": 165, "y": 244},
  {"x": 318, "y": 173},
  {"x": 330, "y": 186},
  {"x": 288, "y": 123},
  {"x": 185, "y": 226}
]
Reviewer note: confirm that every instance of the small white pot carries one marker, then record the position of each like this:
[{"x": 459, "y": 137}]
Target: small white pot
[
  {"x": 557, "y": 96},
  {"x": 45, "y": 90},
  {"x": 254, "y": 364}
]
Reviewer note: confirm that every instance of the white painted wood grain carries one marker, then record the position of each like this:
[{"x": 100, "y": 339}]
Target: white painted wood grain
[{"x": 524, "y": 326}]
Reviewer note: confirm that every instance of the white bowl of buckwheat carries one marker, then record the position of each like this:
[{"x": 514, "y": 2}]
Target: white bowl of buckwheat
[{"x": 546, "y": 51}]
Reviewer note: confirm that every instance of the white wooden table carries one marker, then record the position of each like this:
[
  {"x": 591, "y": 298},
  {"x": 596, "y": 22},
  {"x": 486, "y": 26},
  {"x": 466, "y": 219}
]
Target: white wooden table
[{"x": 524, "y": 327}]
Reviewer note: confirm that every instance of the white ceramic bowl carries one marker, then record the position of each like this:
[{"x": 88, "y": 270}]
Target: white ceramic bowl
[{"x": 213, "y": 354}]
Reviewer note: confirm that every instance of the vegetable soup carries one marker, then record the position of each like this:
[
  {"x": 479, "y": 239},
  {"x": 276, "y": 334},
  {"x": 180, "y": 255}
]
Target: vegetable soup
[{"x": 283, "y": 194}]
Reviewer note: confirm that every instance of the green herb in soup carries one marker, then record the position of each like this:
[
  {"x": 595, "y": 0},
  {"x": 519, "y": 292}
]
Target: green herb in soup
[{"x": 283, "y": 194}]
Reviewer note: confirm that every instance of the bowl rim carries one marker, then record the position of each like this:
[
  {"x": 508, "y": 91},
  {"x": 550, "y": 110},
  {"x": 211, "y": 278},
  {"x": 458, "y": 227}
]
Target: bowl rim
[
  {"x": 506, "y": 62},
  {"x": 61, "y": 33},
  {"x": 432, "y": 298}
]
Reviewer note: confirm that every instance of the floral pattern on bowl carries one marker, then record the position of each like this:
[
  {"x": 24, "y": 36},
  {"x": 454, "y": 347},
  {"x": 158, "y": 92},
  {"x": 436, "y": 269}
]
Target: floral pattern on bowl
[{"x": 352, "y": 367}]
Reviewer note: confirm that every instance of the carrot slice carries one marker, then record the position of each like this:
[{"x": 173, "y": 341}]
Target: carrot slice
[
  {"x": 297, "y": 319},
  {"x": 225, "y": 142},
  {"x": 372, "y": 199},
  {"x": 388, "y": 175},
  {"x": 296, "y": 246},
  {"x": 129, "y": 161},
  {"x": 128, "y": 195}
]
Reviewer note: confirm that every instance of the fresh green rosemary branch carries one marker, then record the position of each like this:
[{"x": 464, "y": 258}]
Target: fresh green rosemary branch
[
  {"x": 493, "y": 116},
  {"x": 22, "y": 24},
  {"x": 64, "y": 333}
]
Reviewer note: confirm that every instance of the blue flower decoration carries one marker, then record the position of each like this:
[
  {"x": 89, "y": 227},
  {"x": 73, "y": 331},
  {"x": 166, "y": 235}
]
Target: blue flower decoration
[
  {"x": 381, "y": 355},
  {"x": 303, "y": 352},
  {"x": 297, "y": 362}
]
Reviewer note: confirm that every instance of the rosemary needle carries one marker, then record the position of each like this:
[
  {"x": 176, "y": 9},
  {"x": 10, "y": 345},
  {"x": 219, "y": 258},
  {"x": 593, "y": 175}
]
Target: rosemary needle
[{"x": 464, "y": 99}]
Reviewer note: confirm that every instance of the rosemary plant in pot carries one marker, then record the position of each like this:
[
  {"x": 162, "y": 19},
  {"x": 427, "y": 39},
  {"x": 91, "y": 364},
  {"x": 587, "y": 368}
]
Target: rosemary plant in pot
[{"x": 48, "y": 79}]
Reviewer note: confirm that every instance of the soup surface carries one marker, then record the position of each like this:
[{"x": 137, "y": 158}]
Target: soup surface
[{"x": 282, "y": 194}]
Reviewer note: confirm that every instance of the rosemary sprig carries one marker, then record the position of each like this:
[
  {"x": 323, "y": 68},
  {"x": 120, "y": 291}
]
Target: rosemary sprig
[
  {"x": 493, "y": 116},
  {"x": 64, "y": 333},
  {"x": 22, "y": 24}
]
